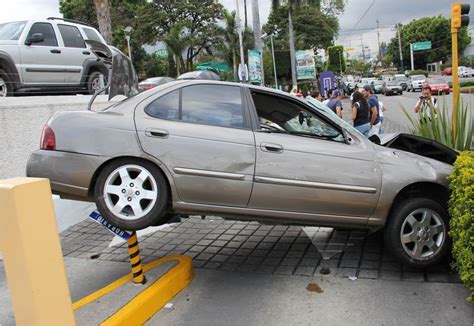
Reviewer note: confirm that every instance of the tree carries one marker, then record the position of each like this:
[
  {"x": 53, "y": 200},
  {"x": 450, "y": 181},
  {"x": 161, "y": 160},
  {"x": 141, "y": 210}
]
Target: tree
[
  {"x": 336, "y": 60},
  {"x": 435, "y": 29},
  {"x": 102, "y": 8},
  {"x": 176, "y": 42}
]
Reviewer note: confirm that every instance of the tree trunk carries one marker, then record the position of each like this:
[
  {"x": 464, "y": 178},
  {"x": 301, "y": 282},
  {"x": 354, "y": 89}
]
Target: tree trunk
[
  {"x": 234, "y": 65},
  {"x": 102, "y": 8},
  {"x": 292, "y": 46},
  {"x": 257, "y": 34}
]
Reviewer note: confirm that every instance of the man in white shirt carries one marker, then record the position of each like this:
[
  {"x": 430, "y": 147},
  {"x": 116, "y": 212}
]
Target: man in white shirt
[{"x": 425, "y": 104}]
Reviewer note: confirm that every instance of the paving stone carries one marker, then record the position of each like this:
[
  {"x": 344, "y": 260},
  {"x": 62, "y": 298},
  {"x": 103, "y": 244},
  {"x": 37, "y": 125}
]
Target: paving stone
[
  {"x": 346, "y": 272},
  {"x": 212, "y": 236},
  {"x": 250, "y": 245},
  {"x": 232, "y": 232},
  {"x": 369, "y": 264},
  {"x": 266, "y": 269},
  {"x": 259, "y": 253},
  {"x": 284, "y": 270},
  {"x": 294, "y": 254},
  {"x": 261, "y": 233},
  {"x": 289, "y": 240},
  {"x": 212, "y": 265},
  {"x": 253, "y": 260},
  {"x": 204, "y": 256},
  {"x": 371, "y": 256},
  {"x": 246, "y": 232},
  {"x": 309, "y": 262},
  {"x": 391, "y": 266},
  {"x": 240, "y": 238},
  {"x": 230, "y": 267},
  {"x": 290, "y": 261},
  {"x": 299, "y": 247},
  {"x": 265, "y": 245},
  {"x": 192, "y": 254},
  {"x": 212, "y": 250},
  {"x": 369, "y": 274},
  {"x": 271, "y": 239},
  {"x": 351, "y": 255},
  {"x": 305, "y": 270},
  {"x": 198, "y": 263},
  {"x": 282, "y": 246},
  {"x": 349, "y": 263},
  {"x": 413, "y": 276},
  {"x": 204, "y": 242},
  {"x": 227, "y": 251},
  {"x": 236, "y": 259},
  {"x": 271, "y": 261},
  {"x": 234, "y": 244},
  {"x": 247, "y": 268},
  {"x": 243, "y": 252},
  {"x": 197, "y": 248},
  {"x": 226, "y": 237}
]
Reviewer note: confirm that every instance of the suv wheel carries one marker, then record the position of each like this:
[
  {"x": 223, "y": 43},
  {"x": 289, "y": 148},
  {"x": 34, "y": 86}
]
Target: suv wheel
[
  {"x": 93, "y": 82},
  {"x": 417, "y": 232},
  {"x": 5, "y": 85},
  {"x": 131, "y": 194}
]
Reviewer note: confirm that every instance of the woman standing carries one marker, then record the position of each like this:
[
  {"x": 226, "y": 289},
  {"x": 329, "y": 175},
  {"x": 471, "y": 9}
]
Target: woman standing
[{"x": 360, "y": 113}]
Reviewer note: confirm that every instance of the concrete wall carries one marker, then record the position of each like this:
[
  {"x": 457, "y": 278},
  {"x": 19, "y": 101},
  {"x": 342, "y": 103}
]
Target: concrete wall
[{"x": 22, "y": 120}]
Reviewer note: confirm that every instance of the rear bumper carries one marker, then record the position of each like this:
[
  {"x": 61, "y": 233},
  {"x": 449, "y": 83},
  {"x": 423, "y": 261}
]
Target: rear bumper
[{"x": 70, "y": 174}]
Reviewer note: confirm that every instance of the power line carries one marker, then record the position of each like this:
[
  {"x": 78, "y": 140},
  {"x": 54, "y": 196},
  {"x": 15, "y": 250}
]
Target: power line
[{"x": 365, "y": 13}]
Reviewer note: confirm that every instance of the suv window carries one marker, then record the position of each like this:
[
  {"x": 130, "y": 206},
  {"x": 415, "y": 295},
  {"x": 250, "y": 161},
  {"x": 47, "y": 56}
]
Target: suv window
[
  {"x": 48, "y": 33},
  {"x": 285, "y": 116},
  {"x": 92, "y": 35},
  {"x": 165, "y": 107},
  {"x": 72, "y": 38},
  {"x": 213, "y": 105},
  {"x": 11, "y": 31}
]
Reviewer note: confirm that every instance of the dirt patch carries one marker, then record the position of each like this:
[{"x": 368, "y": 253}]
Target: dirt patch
[{"x": 313, "y": 287}]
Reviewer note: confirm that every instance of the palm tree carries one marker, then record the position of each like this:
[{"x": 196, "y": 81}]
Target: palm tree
[
  {"x": 292, "y": 4},
  {"x": 176, "y": 42},
  {"x": 230, "y": 44}
]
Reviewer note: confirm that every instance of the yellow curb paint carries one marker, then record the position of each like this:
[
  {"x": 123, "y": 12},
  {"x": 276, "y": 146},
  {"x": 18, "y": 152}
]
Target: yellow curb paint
[{"x": 143, "y": 306}]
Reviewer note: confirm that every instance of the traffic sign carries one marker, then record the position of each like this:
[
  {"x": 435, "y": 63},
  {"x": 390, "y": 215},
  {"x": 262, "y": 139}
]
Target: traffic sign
[
  {"x": 419, "y": 46},
  {"x": 350, "y": 49}
]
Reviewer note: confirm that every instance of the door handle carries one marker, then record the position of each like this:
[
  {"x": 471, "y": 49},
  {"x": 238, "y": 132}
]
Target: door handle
[
  {"x": 272, "y": 148},
  {"x": 157, "y": 133},
  {"x": 55, "y": 51},
  {"x": 86, "y": 52}
]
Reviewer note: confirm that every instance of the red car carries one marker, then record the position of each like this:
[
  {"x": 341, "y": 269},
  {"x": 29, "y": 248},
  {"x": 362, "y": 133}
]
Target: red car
[
  {"x": 447, "y": 72},
  {"x": 437, "y": 85}
]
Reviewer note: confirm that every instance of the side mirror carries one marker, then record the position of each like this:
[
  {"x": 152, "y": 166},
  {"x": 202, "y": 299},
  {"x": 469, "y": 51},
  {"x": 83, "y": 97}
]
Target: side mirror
[{"x": 35, "y": 38}]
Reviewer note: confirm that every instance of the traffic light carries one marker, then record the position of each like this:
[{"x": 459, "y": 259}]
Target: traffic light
[{"x": 459, "y": 15}]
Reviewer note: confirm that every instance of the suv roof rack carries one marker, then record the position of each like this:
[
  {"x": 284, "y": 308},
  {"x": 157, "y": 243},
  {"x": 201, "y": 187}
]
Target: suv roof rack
[{"x": 69, "y": 20}]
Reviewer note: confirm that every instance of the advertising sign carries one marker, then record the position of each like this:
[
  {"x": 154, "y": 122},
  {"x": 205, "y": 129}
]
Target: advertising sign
[
  {"x": 255, "y": 66},
  {"x": 305, "y": 67}
]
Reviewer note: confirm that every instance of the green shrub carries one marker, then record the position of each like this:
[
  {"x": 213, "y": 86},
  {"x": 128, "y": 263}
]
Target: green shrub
[
  {"x": 461, "y": 209},
  {"x": 419, "y": 72},
  {"x": 463, "y": 83}
]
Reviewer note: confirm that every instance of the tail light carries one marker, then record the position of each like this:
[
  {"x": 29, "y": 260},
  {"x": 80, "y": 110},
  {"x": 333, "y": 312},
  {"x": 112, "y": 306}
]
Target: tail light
[
  {"x": 48, "y": 139},
  {"x": 147, "y": 87}
]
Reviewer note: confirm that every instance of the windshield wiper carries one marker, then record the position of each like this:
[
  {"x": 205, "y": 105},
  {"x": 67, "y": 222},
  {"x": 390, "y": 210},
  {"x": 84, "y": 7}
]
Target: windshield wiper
[{"x": 307, "y": 134}]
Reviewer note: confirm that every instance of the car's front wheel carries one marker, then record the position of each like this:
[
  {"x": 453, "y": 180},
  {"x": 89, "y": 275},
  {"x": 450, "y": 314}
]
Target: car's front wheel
[
  {"x": 5, "y": 85},
  {"x": 131, "y": 194},
  {"x": 417, "y": 232},
  {"x": 93, "y": 82}
]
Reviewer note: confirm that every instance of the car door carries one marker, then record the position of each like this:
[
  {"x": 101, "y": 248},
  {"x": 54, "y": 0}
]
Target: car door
[
  {"x": 201, "y": 133},
  {"x": 325, "y": 176},
  {"x": 74, "y": 48},
  {"x": 41, "y": 63}
]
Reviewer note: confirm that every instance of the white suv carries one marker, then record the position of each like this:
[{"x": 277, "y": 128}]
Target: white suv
[
  {"x": 416, "y": 82},
  {"x": 48, "y": 56},
  {"x": 465, "y": 71}
]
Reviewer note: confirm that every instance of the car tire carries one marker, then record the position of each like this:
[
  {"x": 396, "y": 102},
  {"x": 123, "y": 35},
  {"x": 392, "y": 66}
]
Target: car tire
[
  {"x": 6, "y": 88},
  {"x": 132, "y": 194},
  {"x": 409, "y": 215},
  {"x": 93, "y": 81}
]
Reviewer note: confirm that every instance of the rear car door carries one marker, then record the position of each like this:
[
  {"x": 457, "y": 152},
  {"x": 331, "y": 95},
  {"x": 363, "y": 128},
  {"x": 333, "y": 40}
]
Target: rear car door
[
  {"x": 202, "y": 134},
  {"x": 325, "y": 176},
  {"x": 41, "y": 63},
  {"x": 75, "y": 50}
]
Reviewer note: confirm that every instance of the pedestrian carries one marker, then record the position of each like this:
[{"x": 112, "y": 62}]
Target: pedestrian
[
  {"x": 425, "y": 104},
  {"x": 382, "y": 109},
  {"x": 316, "y": 95},
  {"x": 374, "y": 117},
  {"x": 329, "y": 94},
  {"x": 360, "y": 113},
  {"x": 335, "y": 103}
]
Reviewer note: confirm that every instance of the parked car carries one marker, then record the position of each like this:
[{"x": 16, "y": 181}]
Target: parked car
[
  {"x": 391, "y": 87},
  {"x": 48, "y": 56},
  {"x": 402, "y": 80},
  {"x": 366, "y": 81},
  {"x": 465, "y": 71},
  {"x": 247, "y": 152},
  {"x": 416, "y": 82},
  {"x": 447, "y": 71},
  {"x": 149, "y": 83},
  {"x": 437, "y": 85},
  {"x": 200, "y": 74},
  {"x": 376, "y": 86}
]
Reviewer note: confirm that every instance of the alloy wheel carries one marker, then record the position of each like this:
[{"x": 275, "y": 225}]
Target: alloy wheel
[
  {"x": 3, "y": 88},
  {"x": 423, "y": 233},
  {"x": 130, "y": 192}
]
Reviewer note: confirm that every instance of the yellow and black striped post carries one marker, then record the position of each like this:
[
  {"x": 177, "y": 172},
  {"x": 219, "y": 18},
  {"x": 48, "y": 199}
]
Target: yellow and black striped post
[{"x": 135, "y": 261}]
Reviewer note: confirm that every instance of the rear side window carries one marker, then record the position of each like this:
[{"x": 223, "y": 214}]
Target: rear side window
[
  {"x": 72, "y": 38},
  {"x": 48, "y": 33},
  {"x": 165, "y": 107},
  {"x": 92, "y": 35},
  {"x": 213, "y": 105}
]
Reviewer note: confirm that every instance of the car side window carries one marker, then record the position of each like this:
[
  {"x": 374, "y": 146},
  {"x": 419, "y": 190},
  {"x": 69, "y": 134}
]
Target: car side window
[
  {"x": 216, "y": 105},
  {"x": 72, "y": 38},
  {"x": 165, "y": 107},
  {"x": 48, "y": 34},
  {"x": 279, "y": 114},
  {"x": 92, "y": 35}
]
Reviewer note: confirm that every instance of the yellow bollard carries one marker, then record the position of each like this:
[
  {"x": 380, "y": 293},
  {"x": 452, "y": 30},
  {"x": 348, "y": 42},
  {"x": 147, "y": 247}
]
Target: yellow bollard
[
  {"x": 135, "y": 261},
  {"x": 32, "y": 254}
]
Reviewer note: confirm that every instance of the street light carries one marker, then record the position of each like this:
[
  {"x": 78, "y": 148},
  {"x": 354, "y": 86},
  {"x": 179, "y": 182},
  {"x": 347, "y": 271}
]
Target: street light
[
  {"x": 128, "y": 31},
  {"x": 273, "y": 55}
]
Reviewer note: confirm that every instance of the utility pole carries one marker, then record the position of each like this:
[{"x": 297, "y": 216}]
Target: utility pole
[
  {"x": 257, "y": 34},
  {"x": 400, "y": 46},
  {"x": 242, "y": 58},
  {"x": 378, "y": 40},
  {"x": 245, "y": 13},
  {"x": 412, "y": 57},
  {"x": 362, "y": 45},
  {"x": 274, "y": 64}
]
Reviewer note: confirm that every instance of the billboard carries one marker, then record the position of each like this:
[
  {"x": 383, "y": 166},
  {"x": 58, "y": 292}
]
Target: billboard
[
  {"x": 255, "y": 66},
  {"x": 305, "y": 67}
]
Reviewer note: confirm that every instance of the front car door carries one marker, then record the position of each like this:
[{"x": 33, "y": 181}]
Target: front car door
[
  {"x": 306, "y": 165},
  {"x": 202, "y": 134},
  {"x": 41, "y": 62}
]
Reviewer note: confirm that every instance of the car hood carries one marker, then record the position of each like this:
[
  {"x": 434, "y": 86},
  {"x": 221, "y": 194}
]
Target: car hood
[{"x": 415, "y": 148}]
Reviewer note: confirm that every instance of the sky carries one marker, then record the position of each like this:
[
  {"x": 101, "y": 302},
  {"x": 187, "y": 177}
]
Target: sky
[{"x": 388, "y": 12}]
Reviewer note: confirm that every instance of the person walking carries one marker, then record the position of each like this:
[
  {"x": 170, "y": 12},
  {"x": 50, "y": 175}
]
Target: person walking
[
  {"x": 425, "y": 104},
  {"x": 335, "y": 103},
  {"x": 316, "y": 95},
  {"x": 329, "y": 95},
  {"x": 360, "y": 113},
  {"x": 374, "y": 117}
]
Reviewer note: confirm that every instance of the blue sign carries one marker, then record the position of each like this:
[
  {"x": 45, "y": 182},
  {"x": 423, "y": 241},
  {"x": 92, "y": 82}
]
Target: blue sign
[{"x": 115, "y": 230}]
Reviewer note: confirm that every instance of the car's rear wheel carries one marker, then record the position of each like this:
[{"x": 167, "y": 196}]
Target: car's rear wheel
[
  {"x": 6, "y": 88},
  {"x": 93, "y": 81},
  {"x": 417, "y": 232},
  {"x": 131, "y": 194}
]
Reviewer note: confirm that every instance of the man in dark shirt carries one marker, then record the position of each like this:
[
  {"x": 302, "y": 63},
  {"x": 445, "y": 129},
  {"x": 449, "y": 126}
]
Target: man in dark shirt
[
  {"x": 335, "y": 103},
  {"x": 375, "y": 121}
]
